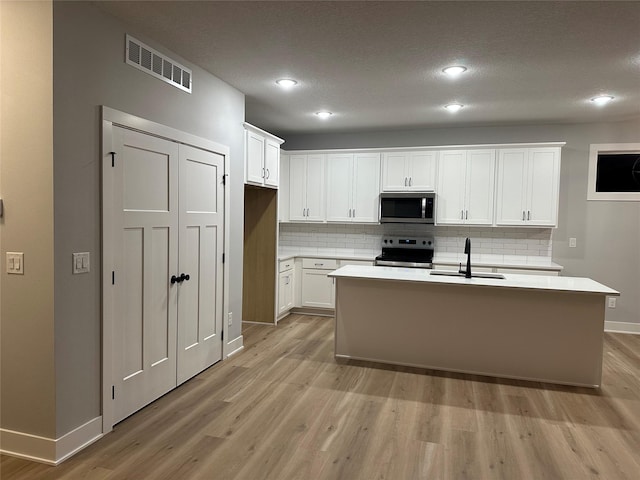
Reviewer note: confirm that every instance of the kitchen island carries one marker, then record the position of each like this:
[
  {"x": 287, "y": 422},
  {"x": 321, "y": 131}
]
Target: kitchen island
[{"x": 540, "y": 328}]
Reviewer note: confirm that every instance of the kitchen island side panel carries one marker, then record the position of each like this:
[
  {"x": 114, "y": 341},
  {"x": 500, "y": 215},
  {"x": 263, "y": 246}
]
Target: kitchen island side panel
[{"x": 549, "y": 336}]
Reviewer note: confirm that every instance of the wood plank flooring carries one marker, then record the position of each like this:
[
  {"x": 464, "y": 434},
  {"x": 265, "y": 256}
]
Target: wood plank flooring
[{"x": 284, "y": 408}]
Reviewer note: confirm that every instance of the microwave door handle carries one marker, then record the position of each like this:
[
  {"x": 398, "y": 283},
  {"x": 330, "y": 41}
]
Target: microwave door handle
[{"x": 424, "y": 207}]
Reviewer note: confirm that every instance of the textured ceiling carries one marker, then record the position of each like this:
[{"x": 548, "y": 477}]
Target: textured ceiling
[{"x": 378, "y": 65}]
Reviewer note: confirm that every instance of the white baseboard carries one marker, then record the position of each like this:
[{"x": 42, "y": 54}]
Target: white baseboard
[
  {"x": 234, "y": 346},
  {"x": 622, "y": 327},
  {"x": 48, "y": 450}
]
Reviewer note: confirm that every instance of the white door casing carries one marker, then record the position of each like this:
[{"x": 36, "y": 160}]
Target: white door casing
[{"x": 139, "y": 276}]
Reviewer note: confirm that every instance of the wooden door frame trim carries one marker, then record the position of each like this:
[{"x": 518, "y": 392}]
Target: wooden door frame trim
[{"x": 110, "y": 118}]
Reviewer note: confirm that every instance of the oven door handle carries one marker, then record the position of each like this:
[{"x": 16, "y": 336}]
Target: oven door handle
[{"x": 424, "y": 207}]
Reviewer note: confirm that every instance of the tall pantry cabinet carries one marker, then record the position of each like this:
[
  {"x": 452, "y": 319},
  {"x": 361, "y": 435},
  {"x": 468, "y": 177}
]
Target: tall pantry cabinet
[{"x": 260, "y": 270}]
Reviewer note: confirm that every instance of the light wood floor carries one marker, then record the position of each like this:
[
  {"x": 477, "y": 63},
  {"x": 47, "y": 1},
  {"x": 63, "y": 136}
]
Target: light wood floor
[{"x": 285, "y": 409}]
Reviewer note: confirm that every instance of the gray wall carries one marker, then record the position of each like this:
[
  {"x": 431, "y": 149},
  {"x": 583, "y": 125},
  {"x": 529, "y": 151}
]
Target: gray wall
[
  {"x": 89, "y": 71},
  {"x": 607, "y": 233}
]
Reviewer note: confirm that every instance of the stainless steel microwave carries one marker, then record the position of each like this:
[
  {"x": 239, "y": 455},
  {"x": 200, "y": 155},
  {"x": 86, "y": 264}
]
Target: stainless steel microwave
[{"x": 408, "y": 207}]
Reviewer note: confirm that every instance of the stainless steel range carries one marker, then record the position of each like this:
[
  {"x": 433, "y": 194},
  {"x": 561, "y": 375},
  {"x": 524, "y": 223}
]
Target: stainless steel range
[{"x": 416, "y": 252}]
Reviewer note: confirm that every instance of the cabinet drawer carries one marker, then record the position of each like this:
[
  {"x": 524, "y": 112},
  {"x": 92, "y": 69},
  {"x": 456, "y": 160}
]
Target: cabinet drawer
[
  {"x": 285, "y": 265},
  {"x": 320, "y": 263}
]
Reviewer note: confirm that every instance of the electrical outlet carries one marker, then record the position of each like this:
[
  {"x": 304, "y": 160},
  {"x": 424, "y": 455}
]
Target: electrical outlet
[
  {"x": 612, "y": 302},
  {"x": 230, "y": 321},
  {"x": 572, "y": 242}
]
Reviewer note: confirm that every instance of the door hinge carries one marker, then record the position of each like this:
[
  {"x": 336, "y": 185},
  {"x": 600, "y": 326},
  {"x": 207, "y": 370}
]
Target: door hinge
[
  {"x": 224, "y": 178},
  {"x": 223, "y": 258},
  {"x": 113, "y": 392},
  {"x": 222, "y": 335},
  {"x": 113, "y": 158},
  {"x": 113, "y": 278}
]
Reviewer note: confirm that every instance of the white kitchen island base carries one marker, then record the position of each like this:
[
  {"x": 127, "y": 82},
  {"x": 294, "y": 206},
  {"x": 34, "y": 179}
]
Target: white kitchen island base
[{"x": 470, "y": 326}]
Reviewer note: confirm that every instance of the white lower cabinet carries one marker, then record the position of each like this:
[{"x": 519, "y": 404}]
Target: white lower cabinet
[
  {"x": 317, "y": 287},
  {"x": 285, "y": 292}
]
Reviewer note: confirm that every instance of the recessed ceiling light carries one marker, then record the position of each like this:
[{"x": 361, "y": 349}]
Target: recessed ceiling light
[
  {"x": 602, "y": 99},
  {"x": 453, "y": 107},
  {"x": 324, "y": 114},
  {"x": 454, "y": 70},
  {"x": 286, "y": 82}
]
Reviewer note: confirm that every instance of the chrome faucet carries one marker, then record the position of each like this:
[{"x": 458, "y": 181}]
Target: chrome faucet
[{"x": 467, "y": 251}]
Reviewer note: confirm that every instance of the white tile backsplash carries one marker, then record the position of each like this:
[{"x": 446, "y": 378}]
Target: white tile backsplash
[{"x": 514, "y": 243}]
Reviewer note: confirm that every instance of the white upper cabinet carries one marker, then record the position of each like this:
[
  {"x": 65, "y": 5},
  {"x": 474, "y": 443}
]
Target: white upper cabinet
[
  {"x": 528, "y": 187},
  {"x": 353, "y": 187},
  {"x": 466, "y": 183},
  {"x": 306, "y": 188},
  {"x": 283, "y": 189},
  {"x": 409, "y": 171},
  {"x": 262, "y": 157}
]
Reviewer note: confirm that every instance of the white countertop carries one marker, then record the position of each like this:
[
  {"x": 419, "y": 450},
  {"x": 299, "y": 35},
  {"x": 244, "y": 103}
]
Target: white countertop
[
  {"x": 478, "y": 260},
  {"x": 531, "y": 282}
]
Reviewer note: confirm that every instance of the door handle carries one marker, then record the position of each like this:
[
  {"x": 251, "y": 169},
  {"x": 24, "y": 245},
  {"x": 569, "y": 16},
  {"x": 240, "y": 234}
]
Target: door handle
[
  {"x": 523, "y": 217},
  {"x": 461, "y": 214},
  {"x": 267, "y": 173},
  {"x": 410, "y": 181},
  {"x": 405, "y": 181},
  {"x": 466, "y": 216},
  {"x": 528, "y": 214},
  {"x": 263, "y": 173}
]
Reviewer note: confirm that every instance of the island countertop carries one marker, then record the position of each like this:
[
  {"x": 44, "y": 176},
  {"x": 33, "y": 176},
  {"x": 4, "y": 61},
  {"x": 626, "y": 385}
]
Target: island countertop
[{"x": 530, "y": 282}]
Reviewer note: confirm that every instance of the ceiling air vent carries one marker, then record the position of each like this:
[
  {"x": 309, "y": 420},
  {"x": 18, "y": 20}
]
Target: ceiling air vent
[{"x": 154, "y": 63}]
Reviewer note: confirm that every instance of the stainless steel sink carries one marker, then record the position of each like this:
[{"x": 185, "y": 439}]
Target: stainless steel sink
[{"x": 497, "y": 276}]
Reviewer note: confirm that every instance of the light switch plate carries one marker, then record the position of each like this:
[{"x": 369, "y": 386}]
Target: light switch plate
[
  {"x": 81, "y": 262},
  {"x": 15, "y": 263},
  {"x": 572, "y": 242}
]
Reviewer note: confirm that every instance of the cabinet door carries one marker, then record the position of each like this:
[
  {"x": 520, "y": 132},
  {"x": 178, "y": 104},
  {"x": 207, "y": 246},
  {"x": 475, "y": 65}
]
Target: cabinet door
[
  {"x": 421, "y": 170},
  {"x": 283, "y": 189},
  {"x": 297, "y": 187},
  {"x": 394, "y": 174},
  {"x": 543, "y": 176},
  {"x": 366, "y": 187},
  {"x": 451, "y": 187},
  {"x": 480, "y": 187},
  {"x": 317, "y": 289},
  {"x": 315, "y": 188},
  {"x": 271, "y": 163},
  {"x": 285, "y": 292},
  {"x": 255, "y": 158},
  {"x": 339, "y": 187},
  {"x": 511, "y": 194}
]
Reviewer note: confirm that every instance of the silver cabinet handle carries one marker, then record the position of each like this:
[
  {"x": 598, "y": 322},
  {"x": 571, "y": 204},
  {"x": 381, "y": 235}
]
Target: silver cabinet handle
[
  {"x": 307, "y": 212},
  {"x": 405, "y": 181},
  {"x": 349, "y": 213},
  {"x": 461, "y": 214},
  {"x": 466, "y": 216},
  {"x": 353, "y": 213},
  {"x": 319, "y": 264},
  {"x": 523, "y": 217},
  {"x": 529, "y": 215},
  {"x": 410, "y": 181},
  {"x": 263, "y": 173},
  {"x": 267, "y": 173}
]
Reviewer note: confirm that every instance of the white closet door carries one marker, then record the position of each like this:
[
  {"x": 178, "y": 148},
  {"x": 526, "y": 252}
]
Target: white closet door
[
  {"x": 201, "y": 247},
  {"x": 146, "y": 209}
]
